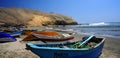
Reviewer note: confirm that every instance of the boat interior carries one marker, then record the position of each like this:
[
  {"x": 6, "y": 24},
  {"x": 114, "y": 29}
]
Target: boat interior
[{"x": 89, "y": 44}]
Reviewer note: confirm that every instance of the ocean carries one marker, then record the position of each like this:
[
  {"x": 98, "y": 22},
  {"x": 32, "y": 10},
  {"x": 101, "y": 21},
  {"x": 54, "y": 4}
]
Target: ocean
[{"x": 107, "y": 29}]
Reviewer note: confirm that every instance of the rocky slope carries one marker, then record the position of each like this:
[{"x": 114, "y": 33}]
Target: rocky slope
[{"x": 16, "y": 16}]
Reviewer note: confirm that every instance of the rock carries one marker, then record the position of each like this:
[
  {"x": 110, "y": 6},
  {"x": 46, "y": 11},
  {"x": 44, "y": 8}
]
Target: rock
[{"x": 16, "y": 16}]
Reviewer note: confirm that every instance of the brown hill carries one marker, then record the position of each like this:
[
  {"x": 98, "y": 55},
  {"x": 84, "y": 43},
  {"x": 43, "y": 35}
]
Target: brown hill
[{"x": 16, "y": 16}]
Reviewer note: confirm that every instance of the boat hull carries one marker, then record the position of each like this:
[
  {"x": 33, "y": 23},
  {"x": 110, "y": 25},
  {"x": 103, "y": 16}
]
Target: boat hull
[
  {"x": 68, "y": 53},
  {"x": 4, "y": 37},
  {"x": 7, "y": 39},
  {"x": 53, "y": 40},
  {"x": 37, "y": 37},
  {"x": 16, "y": 34}
]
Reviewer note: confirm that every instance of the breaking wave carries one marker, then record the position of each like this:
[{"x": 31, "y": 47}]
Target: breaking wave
[{"x": 99, "y": 24}]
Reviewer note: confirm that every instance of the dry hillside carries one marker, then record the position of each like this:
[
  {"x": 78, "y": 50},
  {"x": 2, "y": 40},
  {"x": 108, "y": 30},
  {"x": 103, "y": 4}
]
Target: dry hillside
[{"x": 15, "y": 16}]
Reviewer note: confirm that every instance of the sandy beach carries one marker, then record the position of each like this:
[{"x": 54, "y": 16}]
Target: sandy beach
[
  {"x": 111, "y": 48},
  {"x": 81, "y": 25},
  {"x": 17, "y": 49}
]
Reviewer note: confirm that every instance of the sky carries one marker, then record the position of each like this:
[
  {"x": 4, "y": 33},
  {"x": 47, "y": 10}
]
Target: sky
[{"x": 82, "y": 11}]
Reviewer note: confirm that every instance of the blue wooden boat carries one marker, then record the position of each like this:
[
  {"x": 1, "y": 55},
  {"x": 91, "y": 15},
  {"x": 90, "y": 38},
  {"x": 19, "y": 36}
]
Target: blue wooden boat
[
  {"x": 16, "y": 33},
  {"x": 79, "y": 49},
  {"x": 4, "y": 37}
]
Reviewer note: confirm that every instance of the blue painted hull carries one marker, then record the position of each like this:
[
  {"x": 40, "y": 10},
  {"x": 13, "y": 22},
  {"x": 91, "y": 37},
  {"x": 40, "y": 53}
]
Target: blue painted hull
[
  {"x": 4, "y": 37},
  {"x": 53, "y": 53},
  {"x": 16, "y": 33},
  {"x": 45, "y": 52}
]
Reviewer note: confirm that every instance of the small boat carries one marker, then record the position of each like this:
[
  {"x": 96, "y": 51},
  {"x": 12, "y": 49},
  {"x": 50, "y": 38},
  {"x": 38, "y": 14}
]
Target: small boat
[
  {"x": 16, "y": 33},
  {"x": 89, "y": 47},
  {"x": 4, "y": 37},
  {"x": 48, "y": 36}
]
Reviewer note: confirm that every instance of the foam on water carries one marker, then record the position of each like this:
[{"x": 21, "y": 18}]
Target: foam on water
[
  {"x": 99, "y": 24},
  {"x": 101, "y": 35},
  {"x": 108, "y": 29}
]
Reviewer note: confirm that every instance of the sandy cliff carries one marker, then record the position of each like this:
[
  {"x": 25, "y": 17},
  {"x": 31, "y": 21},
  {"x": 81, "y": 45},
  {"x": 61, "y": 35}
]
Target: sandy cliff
[{"x": 15, "y": 16}]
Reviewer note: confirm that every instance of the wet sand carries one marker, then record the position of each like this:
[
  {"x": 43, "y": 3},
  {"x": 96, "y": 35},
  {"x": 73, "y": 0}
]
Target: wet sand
[
  {"x": 17, "y": 49},
  {"x": 111, "y": 48}
]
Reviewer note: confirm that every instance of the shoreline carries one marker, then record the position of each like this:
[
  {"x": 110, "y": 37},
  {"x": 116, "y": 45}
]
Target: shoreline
[{"x": 17, "y": 49}]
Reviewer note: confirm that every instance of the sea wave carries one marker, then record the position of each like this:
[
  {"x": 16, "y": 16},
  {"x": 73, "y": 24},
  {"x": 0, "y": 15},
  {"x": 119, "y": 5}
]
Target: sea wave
[
  {"x": 99, "y": 24},
  {"x": 102, "y": 35},
  {"x": 106, "y": 29}
]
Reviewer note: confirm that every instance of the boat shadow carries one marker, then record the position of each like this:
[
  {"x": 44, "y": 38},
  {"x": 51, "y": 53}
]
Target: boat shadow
[{"x": 5, "y": 42}]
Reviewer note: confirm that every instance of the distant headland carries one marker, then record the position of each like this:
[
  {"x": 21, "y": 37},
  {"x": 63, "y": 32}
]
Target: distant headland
[{"x": 27, "y": 17}]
